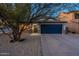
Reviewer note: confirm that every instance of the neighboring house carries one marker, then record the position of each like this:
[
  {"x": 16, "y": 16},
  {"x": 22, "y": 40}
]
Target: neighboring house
[{"x": 72, "y": 19}]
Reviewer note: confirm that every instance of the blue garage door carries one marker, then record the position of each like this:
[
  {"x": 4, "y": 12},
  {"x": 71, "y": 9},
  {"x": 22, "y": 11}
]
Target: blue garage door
[{"x": 51, "y": 28}]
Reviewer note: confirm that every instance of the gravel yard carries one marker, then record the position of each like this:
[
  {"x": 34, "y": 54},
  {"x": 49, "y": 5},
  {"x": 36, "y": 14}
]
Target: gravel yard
[{"x": 30, "y": 47}]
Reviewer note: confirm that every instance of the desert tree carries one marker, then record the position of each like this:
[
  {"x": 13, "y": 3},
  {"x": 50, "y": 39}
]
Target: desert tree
[{"x": 12, "y": 15}]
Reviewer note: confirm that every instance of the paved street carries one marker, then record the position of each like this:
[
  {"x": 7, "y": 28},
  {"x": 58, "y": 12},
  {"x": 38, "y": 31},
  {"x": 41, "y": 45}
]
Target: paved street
[{"x": 60, "y": 45}]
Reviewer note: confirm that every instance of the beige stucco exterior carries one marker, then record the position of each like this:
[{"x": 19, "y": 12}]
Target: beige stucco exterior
[{"x": 72, "y": 23}]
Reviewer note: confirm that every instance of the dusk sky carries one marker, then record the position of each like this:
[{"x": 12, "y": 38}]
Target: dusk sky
[
  {"x": 64, "y": 7},
  {"x": 72, "y": 6}
]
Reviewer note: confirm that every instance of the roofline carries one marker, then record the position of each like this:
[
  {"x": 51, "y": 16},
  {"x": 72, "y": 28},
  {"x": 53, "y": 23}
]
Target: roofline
[
  {"x": 71, "y": 11},
  {"x": 47, "y": 22},
  {"x": 52, "y": 22}
]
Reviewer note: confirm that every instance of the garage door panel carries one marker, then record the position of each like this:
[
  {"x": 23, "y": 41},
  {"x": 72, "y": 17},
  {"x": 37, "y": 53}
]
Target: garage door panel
[{"x": 51, "y": 28}]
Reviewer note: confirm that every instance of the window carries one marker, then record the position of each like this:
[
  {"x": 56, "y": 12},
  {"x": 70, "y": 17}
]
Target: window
[{"x": 76, "y": 15}]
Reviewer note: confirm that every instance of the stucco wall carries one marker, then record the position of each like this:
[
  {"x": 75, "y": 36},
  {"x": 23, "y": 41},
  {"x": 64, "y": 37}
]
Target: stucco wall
[
  {"x": 72, "y": 23},
  {"x": 66, "y": 17}
]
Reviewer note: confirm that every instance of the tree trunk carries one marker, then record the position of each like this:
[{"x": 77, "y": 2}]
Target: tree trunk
[{"x": 16, "y": 36}]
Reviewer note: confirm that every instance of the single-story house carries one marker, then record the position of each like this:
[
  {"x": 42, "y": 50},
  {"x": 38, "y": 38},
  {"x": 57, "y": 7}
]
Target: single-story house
[
  {"x": 46, "y": 25},
  {"x": 72, "y": 19}
]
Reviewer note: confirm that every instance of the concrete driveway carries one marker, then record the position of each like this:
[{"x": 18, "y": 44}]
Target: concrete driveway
[{"x": 60, "y": 45}]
